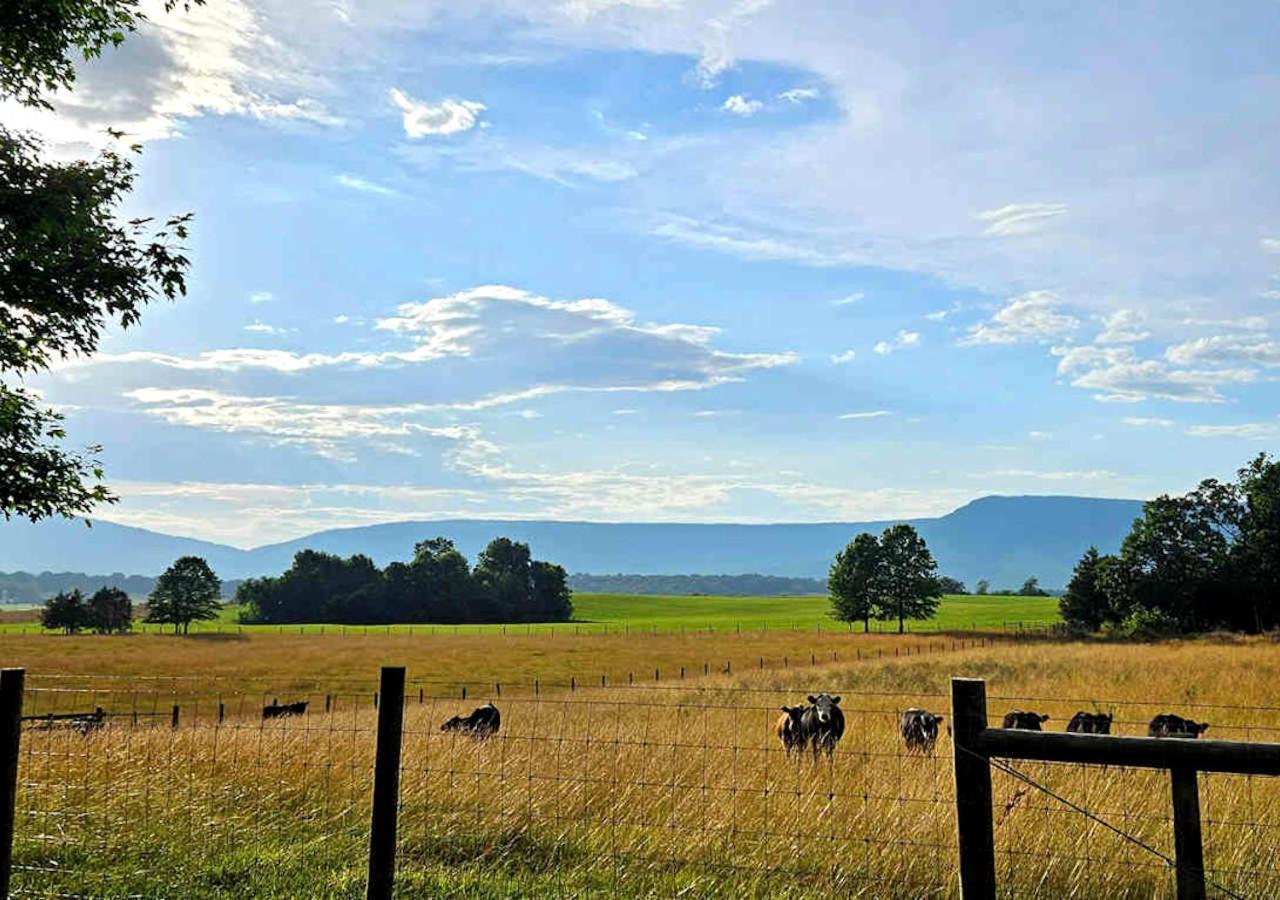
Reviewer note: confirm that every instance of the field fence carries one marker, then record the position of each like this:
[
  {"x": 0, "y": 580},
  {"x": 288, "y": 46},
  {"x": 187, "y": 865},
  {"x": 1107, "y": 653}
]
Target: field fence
[{"x": 655, "y": 789}]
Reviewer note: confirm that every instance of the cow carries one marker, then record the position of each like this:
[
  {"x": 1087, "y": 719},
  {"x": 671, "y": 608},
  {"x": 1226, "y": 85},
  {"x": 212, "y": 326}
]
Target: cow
[
  {"x": 1167, "y": 725},
  {"x": 482, "y": 723},
  {"x": 920, "y": 730},
  {"x": 823, "y": 724},
  {"x": 1027, "y": 721},
  {"x": 1090, "y": 723},
  {"x": 790, "y": 729},
  {"x": 279, "y": 710}
]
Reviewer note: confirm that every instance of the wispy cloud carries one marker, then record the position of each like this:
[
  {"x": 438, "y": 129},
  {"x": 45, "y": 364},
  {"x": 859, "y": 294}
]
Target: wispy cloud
[
  {"x": 1118, "y": 374},
  {"x": 356, "y": 183},
  {"x": 1269, "y": 244},
  {"x": 902, "y": 340},
  {"x": 870, "y": 414},
  {"x": 1124, "y": 326},
  {"x": 798, "y": 95},
  {"x": 1260, "y": 350},
  {"x": 741, "y": 106},
  {"x": 258, "y": 327},
  {"x": 448, "y": 116},
  {"x": 1246, "y": 430},
  {"x": 1148, "y": 422},
  {"x": 848, "y": 299},
  {"x": 1033, "y": 317},
  {"x": 841, "y": 359},
  {"x": 1020, "y": 218},
  {"x": 261, "y": 297}
]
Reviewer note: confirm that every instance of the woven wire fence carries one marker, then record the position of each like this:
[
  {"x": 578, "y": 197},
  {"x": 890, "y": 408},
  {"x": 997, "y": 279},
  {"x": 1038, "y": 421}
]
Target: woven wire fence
[{"x": 672, "y": 789}]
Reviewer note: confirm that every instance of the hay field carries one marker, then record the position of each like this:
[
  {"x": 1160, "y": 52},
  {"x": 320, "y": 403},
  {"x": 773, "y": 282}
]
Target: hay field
[{"x": 655, "y": 790}]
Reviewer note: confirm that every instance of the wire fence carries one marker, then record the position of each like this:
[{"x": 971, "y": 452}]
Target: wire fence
[{"x": 655, "y": 789}]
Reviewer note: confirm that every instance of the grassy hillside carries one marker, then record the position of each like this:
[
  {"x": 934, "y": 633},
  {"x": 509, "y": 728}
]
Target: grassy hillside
[{"x": 610, "y": 613}]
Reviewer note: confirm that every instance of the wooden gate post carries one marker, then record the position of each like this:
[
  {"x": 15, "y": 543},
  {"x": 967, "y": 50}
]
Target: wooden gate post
[
  {"x": 386, "y": 785},
  {"x": 974, "y": 828},
  {"x": 1189, "y": 852},
  {"x": 11, "y": 682}
]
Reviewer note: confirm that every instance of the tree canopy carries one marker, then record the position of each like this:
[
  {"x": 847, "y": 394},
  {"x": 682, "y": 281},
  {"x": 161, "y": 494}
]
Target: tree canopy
[
  {"x": 437, "y": 585},
  {"x": 108, "y": 611},
  {"x": 69, "y": 264},
  {"x": 893, "y": 577},
  {"x": 186, "y": 592}
]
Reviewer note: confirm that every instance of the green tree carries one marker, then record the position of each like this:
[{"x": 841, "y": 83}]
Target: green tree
[
  {"x": 1255, "y": 554},
  {"x": 443, "y": 575},
  {"x": 909, "y": 583},
  {"x": 949, "y": 585},
  {"x": 983, "y": 587},
  {"x": 1031, "y": 588},
  {"x": 65, "y": 611},
  {"x": 552, "y": 599},
  {"x": 1084, "y": 604},
  {"x": 70, "y": 265},
  {"x": 504, "y": 577},
  {"x": 853, "y": 582},
  {"x": 110, "y": 611},
  {"x": 186, "y": 592}
]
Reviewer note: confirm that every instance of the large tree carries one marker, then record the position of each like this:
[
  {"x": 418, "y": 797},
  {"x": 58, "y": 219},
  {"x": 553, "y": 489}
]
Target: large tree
[
  {"x": 64, "y": 611},
  {"x": 69, "y": 265},
  {"x": 504, "y": 576},
  {"x": 853, "y": 582},
  {"x": 1084, "y": 604},
  {"x": 186, "y": 592},
  {"x": 109, "y": 611},
  {"x": 909, "y": 583}
]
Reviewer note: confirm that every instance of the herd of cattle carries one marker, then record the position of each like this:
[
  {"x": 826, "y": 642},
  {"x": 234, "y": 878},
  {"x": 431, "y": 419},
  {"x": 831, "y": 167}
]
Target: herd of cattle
[{"x": 818, "y": 725}]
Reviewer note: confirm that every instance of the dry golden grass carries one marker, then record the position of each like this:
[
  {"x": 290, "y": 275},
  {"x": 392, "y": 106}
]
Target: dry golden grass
[{"x": 655, "y": 790}]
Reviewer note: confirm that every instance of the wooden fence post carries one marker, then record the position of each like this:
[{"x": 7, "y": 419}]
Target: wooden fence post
[
  {"x": 11, "y": 683},
  {"x": 386, "y": 785},
  {"x": 974, "y": 828},
  {"x": 1189, "y": 851},
  {"x": 175, "y": 717}
]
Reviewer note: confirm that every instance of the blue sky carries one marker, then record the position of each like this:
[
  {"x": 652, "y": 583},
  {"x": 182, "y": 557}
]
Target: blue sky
[{"x": 694, "y": 261}]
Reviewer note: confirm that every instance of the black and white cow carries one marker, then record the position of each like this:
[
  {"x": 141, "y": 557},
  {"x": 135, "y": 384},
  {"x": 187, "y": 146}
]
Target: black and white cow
[
  {"x": 1090, "y": 723},
  {"x": 920, "y": 730},
  {"x": 279, "y": 710},
  {"x": 1167, "y": 725},
  {"x": 823, "y": 724},
  {"x": 483, "y": 722},
  {"x": 790, "y": 728},
  {"x": 1027, "y": 721}
]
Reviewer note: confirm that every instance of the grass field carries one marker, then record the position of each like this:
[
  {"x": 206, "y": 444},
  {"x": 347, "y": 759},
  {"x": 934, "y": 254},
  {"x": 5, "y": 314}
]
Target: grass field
[
  {"x": 670, "y": 789},
  {"x": 609, "y": 613}
]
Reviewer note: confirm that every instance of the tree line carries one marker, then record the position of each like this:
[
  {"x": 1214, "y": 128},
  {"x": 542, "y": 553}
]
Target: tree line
[
  {"x": 1204, "y": 560},
  {"x": 437, "y": 585},
  {"x": 749, "y": 585},
  {"x": 35, "y": 587},
  {"x": 186, "y": 592}
]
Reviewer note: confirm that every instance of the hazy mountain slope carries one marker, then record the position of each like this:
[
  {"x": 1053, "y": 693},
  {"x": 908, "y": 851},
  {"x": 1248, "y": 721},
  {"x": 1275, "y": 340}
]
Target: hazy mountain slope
[{"x": 1004, "y": 539}]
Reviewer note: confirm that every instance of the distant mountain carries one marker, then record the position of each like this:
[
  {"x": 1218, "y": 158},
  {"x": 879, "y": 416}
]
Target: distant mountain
[{"x": 1003, "y": 539}]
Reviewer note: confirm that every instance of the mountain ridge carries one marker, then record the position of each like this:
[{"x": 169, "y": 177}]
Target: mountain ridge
[{"x": 1001, "y": 538}]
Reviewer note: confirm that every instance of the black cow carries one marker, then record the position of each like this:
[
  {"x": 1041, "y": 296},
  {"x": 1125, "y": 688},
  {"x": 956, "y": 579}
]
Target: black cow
[
  {"x": 790, "y": 728},
  {"x": 280, "y": 710},
  {"x": 1090, "y": 723},
  {"x": 1027, "y": 721},
  {"x": 1167, "y": 725},
  {"x": 920, "y": 730},
  {"x": 482, "y": 723},
  {"x": 823, "y": 724}
]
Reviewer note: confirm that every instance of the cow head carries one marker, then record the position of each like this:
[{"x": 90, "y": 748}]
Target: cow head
[
  {"x": 929, "y": 725},
  {"x": 794, "y": 713},
  {"x": 453, "y": 724},
  {"x": 1198, "y": 728},
  {"x": 824, "y": 706}
]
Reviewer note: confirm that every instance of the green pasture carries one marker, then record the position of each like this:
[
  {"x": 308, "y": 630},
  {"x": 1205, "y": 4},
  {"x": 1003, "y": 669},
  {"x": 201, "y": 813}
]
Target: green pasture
[{"x": 613, "y": 613}]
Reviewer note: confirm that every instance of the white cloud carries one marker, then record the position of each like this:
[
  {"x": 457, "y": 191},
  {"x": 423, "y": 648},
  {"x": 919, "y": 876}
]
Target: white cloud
[
  {"x": 847, "y": 356},
  {"x": 1040, "y": 435},
  {"x": 258, "y": 327},
  {"x": 871, "y": 414},
  {"x": 261, "y": 297},
  {"x": 1020, "y": 218},
  {"x": 624, "y": 412},
  {"x": 1117, "y": 374},
  {"x": 1067, "y": 475},
  {"x": 446, "y": 117},
  {"x": 741, "y": 106},
  {"x": 356, "y": 183},
  {"x": 1248, "y": 430},
  {"x": 1259, "y": 350},
  {"x": 1269, "y": 244},
  {"x": 901, "y": 341},
  {"x": 798, "y": 95},
  {"x": 341, "y": 320},
  {"x": 1148, "y": 422},
  {"x": 848, "y": 299},
  {"x": 1124, "y": 326},
  {"x": 1031, "y": 317}
]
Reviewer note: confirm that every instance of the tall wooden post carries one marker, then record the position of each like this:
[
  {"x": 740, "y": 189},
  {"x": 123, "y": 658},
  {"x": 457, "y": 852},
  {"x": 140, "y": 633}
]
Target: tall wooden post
[
  {"x": 386, "y": 785},
  {"x": 1189, "y": 851},
  {"x": 974, "y": 828},
  {"x": 11, "y": 684}
]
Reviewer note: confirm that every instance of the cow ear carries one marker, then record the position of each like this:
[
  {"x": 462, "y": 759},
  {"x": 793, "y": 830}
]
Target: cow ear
[
  {"x": 1044, "y": 718},
  {"x": 812, "y": 699},
  {"x": 1204, "y": 726},
  {"x": 836, "y": 700},
  {"x": 939, "y": 718}
]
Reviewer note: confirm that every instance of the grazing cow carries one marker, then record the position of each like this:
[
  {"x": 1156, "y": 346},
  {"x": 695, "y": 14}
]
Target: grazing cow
[
  {"x": 823, "y": 724},
  {"x": 790, "y": 728},
  {"x": 1167, "y": 725},
  {"x": 1090, "y": 723},
  {"x": 920, "y": 730},
  {"x": 1027, "y": 721},
  {"x": 280, "y": 710},
  {"x": 482, "y": 723}
]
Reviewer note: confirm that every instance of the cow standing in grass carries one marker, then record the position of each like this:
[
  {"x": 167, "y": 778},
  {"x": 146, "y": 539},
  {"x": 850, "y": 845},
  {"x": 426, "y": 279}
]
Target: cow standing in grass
[
  {"x": 483, "y": 722},
  {"x": 1167, "y": 725},
  {"x": 823, "y": 724},
  {"x": 280, "y": 710},
  {"x": 920, "y": 730},
  {"x": 1090, "y": 723},
  {"x": 1026, "y": 721},
  {"x": 790, "y": 729}
]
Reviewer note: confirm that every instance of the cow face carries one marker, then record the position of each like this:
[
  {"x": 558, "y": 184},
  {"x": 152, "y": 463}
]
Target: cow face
[
  {"x": 929, "y": 726},
  {"x": 453, "y": 724},
  {"x": 824, "y": 706},
  {"x": 1027, "y": 721},
  {"x": 794, "y": 713}
]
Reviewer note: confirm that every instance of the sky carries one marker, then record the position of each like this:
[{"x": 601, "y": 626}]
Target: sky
[{"x": 670, "y": 260}]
